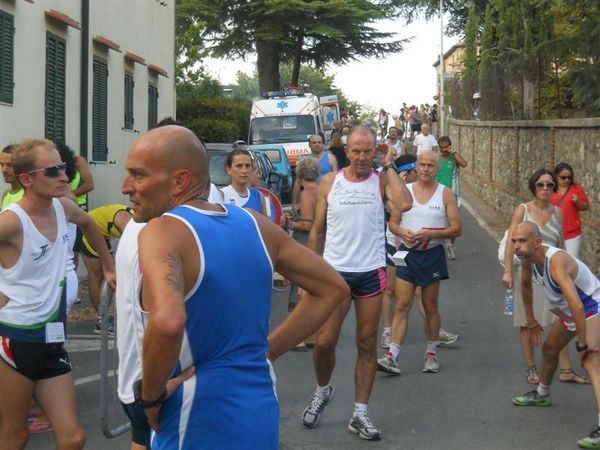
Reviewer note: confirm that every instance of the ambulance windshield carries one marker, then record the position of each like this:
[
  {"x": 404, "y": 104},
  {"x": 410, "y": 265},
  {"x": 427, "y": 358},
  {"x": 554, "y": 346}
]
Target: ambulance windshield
[{"x": 278, "y": 129}]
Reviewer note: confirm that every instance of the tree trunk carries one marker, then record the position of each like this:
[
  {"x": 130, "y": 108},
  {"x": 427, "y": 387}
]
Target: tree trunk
[
  {"x": 268, "y": 52},
  {"x": 297, "y": 58}
]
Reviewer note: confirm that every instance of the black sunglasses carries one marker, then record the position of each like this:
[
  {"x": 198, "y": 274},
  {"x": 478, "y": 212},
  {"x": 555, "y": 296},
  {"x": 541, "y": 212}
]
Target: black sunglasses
[
  {"x": 541, "y": 185},
  {"x": 52, "y": 171},
  {"x": 566, "y": 177}
]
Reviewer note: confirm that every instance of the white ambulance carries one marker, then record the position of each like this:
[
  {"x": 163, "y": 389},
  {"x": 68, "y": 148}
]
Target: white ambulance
[{"x": 287, "y": 118}]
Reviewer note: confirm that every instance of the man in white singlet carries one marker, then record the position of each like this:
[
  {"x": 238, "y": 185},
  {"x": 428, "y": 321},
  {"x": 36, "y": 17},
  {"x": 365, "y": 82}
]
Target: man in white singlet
[
  {"x": 574, "y": 294},
  {"x": 33, "y": 249},
  {"x": 434, "y": 217},
  {"x": 350, "y": 203}
]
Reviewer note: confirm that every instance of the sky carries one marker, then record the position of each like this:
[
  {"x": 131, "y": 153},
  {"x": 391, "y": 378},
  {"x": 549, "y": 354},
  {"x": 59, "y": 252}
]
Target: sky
[{"x": 407, "y": 76}]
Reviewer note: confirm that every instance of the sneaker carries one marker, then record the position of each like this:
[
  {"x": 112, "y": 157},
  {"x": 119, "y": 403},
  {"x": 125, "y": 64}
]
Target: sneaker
[
  {"x": 447, "y": 338},
  {"x": 111, "y": 327},
  {"x": 431, "y": 363},
  {"x": 532, "y": 398},
  {"x": 591, "y": 441},
  {"x": 365, "y": 429},
  {"x": 312, "y": 413},
  {"x": 451, "y": 252},
  {"x": 386, "y": 340},
  {"x": 388, "y": 364},
  {"x": 77, "y": 301}
]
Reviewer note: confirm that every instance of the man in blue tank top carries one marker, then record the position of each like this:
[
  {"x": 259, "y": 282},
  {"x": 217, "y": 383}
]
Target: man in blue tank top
[
  {"x": 189, "y": 254},
  {"x": 574, "y": 293}
]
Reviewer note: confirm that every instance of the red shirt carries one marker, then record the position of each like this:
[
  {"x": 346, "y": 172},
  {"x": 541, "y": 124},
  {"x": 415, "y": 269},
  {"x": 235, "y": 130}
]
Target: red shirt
[{"x": 571, "y": 221}]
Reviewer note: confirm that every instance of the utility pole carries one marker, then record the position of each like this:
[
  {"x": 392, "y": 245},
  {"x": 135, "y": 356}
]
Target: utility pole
[{"x": 442, "y": 118}]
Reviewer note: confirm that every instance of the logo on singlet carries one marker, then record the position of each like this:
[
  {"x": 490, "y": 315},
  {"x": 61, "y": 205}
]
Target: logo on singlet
[{"x": 43, "y": 250}]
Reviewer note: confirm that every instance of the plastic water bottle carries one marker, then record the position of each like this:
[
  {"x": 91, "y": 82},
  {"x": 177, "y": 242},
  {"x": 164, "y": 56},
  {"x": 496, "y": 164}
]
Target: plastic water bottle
[{"x": 508, "y": 302}]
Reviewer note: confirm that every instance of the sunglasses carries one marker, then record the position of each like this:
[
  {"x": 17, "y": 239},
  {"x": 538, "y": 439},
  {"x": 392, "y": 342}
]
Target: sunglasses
[
  {"x": 52, "y": 171},
  {"x": 541, "y": 185},
  {"x": 566, "y": 177}
]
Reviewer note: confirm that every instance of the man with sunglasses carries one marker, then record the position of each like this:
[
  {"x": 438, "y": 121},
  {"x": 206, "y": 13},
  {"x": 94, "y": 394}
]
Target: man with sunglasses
[{"x": 33, "y": 248}]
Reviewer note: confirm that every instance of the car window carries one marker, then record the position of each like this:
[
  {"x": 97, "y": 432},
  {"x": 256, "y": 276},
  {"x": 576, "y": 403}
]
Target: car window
[
  {"x": 273, "y": 155},
  {"x": 216, "y": 168}
]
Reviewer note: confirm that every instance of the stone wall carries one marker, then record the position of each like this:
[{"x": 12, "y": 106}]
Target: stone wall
[{"x": 502, "y": 156}]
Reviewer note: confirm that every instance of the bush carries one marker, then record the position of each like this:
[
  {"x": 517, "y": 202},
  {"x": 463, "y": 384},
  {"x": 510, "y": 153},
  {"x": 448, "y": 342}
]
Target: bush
[{"x": 214, "y": 119}]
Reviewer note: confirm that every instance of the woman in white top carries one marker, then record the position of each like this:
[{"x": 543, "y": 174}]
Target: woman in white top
[{"x": 239, "y": 167}]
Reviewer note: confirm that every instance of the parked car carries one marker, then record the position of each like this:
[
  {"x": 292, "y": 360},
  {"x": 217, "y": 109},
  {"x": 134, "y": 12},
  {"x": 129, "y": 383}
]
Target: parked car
[
  {"x": 278, "y": 157},
  {"x": 217, "y": 152}
]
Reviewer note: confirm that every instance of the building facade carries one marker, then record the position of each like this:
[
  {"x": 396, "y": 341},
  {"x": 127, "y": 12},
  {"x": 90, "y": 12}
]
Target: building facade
[{"x": 93, "y": 74}]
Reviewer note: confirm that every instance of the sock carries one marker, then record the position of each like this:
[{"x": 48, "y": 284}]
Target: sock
[
  {"x": 395, "y": 351},
  {"x": 543, "y": 389},
  {"x": 599, "y": 420},
  {"x": 324, "y": 391},
  {"x": 387, "y": 330},
  {"x": 360, "y": 409},
  {"x": 432, "y": 346}
]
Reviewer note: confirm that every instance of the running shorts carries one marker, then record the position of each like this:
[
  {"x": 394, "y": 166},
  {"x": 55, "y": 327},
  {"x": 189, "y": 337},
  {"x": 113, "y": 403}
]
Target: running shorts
[
  {"x": 140, "y": 428},
  {"x": 366, "y": 284},
  {"x": 389, "y": 252},
  {"x": 424, "y": 267},
  {"x": 35, "y": 361}
]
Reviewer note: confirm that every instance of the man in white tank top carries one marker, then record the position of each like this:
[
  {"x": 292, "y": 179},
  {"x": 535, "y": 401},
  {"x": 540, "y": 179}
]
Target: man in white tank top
[
  {"x": 574, "y": 292},
  {"x": 33, "y": 247},
  {"x": 434, "y": 217},
  {"x": 350, "y": 203}
]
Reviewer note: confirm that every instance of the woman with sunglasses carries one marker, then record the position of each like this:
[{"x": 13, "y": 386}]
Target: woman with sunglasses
[
  {"x": 570, "y": 198},
  {"x": 548, "y": 218}
]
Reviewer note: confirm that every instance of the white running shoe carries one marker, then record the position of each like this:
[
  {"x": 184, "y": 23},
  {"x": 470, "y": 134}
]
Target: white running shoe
[
  {"x": 431, "y": 363},
  {"x": 388, "y": 364},
  {"x": 365, "y": 429},
  {"x": 447, "y": 338},
  {"x": 312, "y": 413},
  {"x": 451, "y": 252}
]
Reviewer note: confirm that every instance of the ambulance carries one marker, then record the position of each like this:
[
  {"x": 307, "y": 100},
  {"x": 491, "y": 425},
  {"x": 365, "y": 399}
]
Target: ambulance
[{"x": 287, "y": 118}]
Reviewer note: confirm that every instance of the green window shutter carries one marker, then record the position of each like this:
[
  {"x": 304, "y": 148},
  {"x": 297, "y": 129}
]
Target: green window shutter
[
  {"x": 152, "y": 106},
  {"x": 100, "y": 112},
  {"x": 129, "y": 84},
  {"x": 56, "y": 64},
  {"x": 7, "y": 32}
]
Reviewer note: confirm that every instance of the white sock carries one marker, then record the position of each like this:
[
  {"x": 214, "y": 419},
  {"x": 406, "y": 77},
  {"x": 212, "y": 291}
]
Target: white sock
[
  {"x": 360, "y": 409},
  {"x": 387, "y": 330},
  {"x": 395, "y": 350},
  {"x": 324, "y": 391},
  {"x": 543, "y": 389},
  {"x": 599, "y": 420},
  {"x": 432, "y": 346}
]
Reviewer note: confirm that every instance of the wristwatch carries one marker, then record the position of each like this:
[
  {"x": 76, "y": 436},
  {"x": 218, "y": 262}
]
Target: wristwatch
[
  {"x": 579, "y": 348},
  {"x": 137, "y": 395},
  {"x": 389, "y": 166}
]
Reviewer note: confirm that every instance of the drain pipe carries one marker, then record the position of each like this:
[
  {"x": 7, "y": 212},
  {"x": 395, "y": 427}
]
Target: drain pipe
[{"x": 84, "y": 88}]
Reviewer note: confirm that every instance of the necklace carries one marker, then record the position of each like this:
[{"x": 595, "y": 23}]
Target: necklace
[{"x": 196, "y": 197}]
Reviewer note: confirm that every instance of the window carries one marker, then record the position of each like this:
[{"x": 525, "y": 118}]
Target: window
[
  {"x": 100, "y": 112},
  {"x": 56, "y": 62},
  {"x": 129, "y": 84},
  {"x": 7, "y": 31},
  {"x": 152, "y": 106}
]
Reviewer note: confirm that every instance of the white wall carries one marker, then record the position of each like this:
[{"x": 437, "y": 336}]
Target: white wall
[{"x": 143, "y": 27}]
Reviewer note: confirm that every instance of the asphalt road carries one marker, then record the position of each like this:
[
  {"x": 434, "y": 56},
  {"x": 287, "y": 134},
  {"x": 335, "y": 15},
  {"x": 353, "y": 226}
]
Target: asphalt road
[{"x": 467, "y": 405}]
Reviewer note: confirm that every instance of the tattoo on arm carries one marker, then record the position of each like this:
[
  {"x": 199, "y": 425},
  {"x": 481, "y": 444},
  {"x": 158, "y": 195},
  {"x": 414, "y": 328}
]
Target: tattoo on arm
[{"x": 175, "y": 275}]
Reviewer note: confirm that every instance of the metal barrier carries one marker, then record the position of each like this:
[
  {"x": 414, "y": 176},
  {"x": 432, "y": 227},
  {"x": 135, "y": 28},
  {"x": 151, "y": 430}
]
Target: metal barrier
[{"x": 113, "y": 419}]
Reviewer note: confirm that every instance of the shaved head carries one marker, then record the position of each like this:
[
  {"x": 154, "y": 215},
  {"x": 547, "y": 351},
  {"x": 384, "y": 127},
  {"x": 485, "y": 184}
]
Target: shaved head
[
  {"x": 428, "y": 154},
  {"x": 530, "y": 229}
]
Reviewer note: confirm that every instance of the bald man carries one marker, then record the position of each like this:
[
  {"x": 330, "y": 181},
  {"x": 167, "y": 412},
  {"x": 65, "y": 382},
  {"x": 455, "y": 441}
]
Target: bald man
[
  {"x": 433, "y": 217},
  {"x": 189, "y": 255},
  {"x": 574, "y": 294}
]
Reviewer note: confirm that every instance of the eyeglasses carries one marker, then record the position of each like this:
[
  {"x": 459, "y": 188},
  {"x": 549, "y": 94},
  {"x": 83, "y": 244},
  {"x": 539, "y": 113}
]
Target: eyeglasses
[
  {"x": 52, "y": 171},
  {"x": 566, "y": 177},
  {"x": 541, "y": 185}
]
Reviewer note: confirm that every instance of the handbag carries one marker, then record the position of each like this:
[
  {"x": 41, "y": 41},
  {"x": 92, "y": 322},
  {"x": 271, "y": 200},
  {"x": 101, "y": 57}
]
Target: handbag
[{"x": 502, "y": 250}]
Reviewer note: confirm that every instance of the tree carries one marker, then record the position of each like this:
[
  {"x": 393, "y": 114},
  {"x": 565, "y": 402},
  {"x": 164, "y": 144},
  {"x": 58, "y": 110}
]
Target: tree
[{"x": 317, "y": 32}]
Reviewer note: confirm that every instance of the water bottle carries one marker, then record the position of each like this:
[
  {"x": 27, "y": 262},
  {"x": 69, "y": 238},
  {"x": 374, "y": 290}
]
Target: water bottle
[{"x": 508, "y": 302}]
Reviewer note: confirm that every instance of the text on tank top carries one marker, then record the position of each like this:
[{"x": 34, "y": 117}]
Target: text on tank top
[
  {"x": 252, "y": 200},
  {"x": 355, "y": 236},
  {"x": 429, "y": 216}
]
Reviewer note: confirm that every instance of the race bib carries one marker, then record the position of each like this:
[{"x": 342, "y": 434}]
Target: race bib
[{"x": 55, "y": 332}]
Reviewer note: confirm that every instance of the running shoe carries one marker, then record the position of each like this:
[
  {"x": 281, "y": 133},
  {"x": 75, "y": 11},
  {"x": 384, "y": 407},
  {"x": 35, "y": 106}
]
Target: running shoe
[
  {"x": 312, "y": 413},
  {"x": 431, "y": 363},
  {"x": 388, "y": 364},
  {"x": 386, "y": 340},
  {"x": 111, "y": 327},
  {"x": 365, "y": 429},
  {"x": 591, "y": 441},
  {"x": 452, "y": 252},
  {"x": 532, "y": 398},
  {"x": 447, "y": 338}
]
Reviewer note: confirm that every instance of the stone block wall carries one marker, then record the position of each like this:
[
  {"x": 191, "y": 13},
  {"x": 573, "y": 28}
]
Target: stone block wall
[{"x": 502, "y": 155}]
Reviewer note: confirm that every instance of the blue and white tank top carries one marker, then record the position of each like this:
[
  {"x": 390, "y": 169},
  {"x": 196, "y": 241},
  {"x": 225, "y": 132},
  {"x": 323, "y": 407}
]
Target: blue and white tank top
[
  {"x": 230, "y": 401},
  {"x": 325, "y": 166},
  {"x": 251, "y": 200},
  {"x": 35, "y": 285},
  {"x": 355, "y": 237},
  {"x": 430, "y": 215},
  {"x": 587, "y": 284}
]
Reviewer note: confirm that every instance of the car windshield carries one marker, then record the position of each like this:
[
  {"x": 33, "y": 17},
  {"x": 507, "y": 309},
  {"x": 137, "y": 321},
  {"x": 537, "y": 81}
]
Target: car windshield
[
  {"x": 217, "y": 169},
  {"x": 269, "y": 130}
]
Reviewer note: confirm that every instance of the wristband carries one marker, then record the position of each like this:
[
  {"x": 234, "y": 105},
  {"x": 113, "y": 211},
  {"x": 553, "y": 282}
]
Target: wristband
[
  {"x": 137, "y": 395},
  {"x": 582, "y": 348},
  {"x": 389, "y": 166}
]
